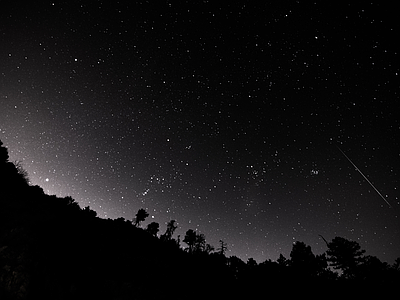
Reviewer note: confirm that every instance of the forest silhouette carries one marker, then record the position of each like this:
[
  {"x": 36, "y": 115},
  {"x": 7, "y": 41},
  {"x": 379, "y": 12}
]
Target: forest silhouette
[{"x": 51, "y": 248}]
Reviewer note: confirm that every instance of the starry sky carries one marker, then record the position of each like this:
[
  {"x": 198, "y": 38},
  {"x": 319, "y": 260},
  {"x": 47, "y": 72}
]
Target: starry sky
[{"x": 233, "y": 119}]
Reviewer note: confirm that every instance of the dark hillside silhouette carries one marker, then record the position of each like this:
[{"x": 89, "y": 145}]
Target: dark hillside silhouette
[{"x": 51, "y": 248}]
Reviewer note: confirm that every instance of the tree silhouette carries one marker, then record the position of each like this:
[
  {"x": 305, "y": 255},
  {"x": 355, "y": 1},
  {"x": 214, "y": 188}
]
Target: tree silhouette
[
  {"x": 222, "y": 247},
  {"x": 171, "y": 227},
  {"x": 196, "y": 242},
  {"x": 200, "y": 242},
  {"x": 153, "y": 228},
  {"x": 301, "y": 255},
  {"x": 304, "y": 263},
  {"x": 190, "y": 239},
  {"x": 141, "y": 215},
  {"x": 344, "y": 255}
]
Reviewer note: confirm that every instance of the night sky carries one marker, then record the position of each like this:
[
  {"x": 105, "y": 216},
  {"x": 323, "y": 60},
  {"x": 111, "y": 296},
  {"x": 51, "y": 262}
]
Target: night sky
[{"x": 235, "y": 120}]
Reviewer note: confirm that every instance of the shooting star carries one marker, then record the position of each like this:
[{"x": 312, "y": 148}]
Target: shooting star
[{"x": 376, "y": 190}]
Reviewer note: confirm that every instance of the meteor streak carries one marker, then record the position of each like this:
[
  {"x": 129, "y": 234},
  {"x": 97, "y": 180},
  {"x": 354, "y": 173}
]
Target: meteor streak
[{"x": 376, "y": 190}]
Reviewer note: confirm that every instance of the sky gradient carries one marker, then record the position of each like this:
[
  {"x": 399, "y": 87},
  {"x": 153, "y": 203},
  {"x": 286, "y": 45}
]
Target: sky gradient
[{"x": 235, "y": 120}]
